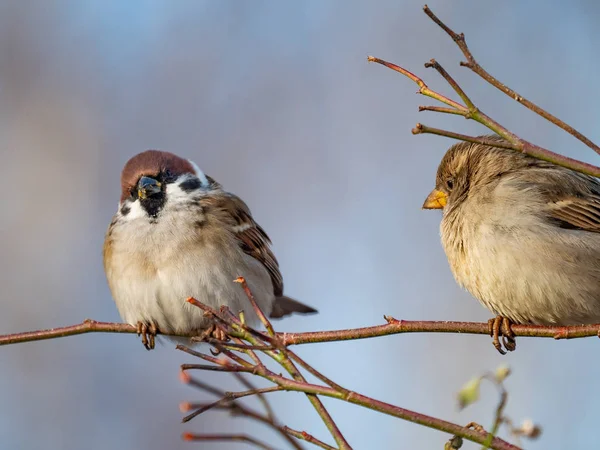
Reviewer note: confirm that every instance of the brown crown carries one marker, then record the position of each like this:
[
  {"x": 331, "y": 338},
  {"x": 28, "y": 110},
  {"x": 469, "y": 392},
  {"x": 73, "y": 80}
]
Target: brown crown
[{"x": 151, "y": 163}]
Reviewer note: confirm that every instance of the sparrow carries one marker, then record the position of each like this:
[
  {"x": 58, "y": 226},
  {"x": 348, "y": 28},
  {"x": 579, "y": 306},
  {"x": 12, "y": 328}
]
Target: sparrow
[
  {"x": 177, "y": 234},
  {"x": 522, "y": 235}
]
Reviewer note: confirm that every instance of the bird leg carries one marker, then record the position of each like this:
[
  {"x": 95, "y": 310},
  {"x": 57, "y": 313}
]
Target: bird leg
[
  {"x": 213, "y": 331},
  {"x": 509, "y": 339},
  {"x": 148, "y": 333},
  {"x": 219, "y": 333},
  {"x": 501, "y": 326}
]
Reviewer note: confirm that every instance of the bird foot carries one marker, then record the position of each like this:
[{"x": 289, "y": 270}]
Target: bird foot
[
  {"x": 148, "y": 333},
  {"x": 501, "y": 327},
  {"x": 219, "y": 334},
  {"x": 214, "y": 332}
]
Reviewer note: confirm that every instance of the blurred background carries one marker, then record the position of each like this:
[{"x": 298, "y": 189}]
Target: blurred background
[{"x": 276, "y": 101}]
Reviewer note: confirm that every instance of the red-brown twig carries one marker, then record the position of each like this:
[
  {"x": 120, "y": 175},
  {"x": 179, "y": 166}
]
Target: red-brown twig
[
  {"x": 392, "y": 327},
  {"x": 308, "y": 438},
  {"x": 472, "y": 112},
  {"x": 397, "y": 327},
  {"x": 478, "y": 436},
  {"x": 283, "y": 358},
  {"x": 298, "y": 383},
  {"x": 227, "y": 398},
  {"x": 421, "y": 129},
  {"x": 261, "y": 315},
  {"x": 261, "y": 397},
  {"x": 237, "y": 408},
  {"x": 227, "y": 438},
  {"x": 472, "y": 64}
]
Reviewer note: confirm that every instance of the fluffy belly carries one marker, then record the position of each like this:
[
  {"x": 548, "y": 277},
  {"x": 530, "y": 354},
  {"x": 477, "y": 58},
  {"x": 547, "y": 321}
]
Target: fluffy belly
[
  {"x": 531, "y": 285},
  {"x": 145, "y": 293}
]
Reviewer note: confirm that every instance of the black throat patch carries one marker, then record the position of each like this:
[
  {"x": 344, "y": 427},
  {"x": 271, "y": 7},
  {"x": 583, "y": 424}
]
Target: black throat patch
[{"x": 153, "y": 205}]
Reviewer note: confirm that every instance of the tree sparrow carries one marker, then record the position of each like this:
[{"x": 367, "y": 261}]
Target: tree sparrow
[
  {"x": 521, "y": 235},
  {"x": 178, "y": 234}
]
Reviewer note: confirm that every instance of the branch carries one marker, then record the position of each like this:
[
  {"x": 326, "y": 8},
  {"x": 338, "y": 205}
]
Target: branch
[
  {"x": 472, "y": 64},
  {"x": 228, "y": 438},
  {"x": 423, "y": 129},
  {"x": 303, "y": 435},
  {"x": 394, "y": 326},
  {"x": 298, "y": 383},
  {"x": 228, "y": 397},
  {"x": 237, "y": 408},
  {"x": 473, "y": 112},
  {"x": 358, "y": 399},
  {"x": 87, "y": 326},
  {"x": 241, "y": 334},
  {"x": 283, "y": 358}
]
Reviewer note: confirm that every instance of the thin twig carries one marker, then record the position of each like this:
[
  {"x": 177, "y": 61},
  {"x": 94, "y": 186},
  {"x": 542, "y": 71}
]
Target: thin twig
[
  {"x": 308, "y": 438},
  {"x": 465, "y": 98},
  {"x": 422, "y": 129},
  {"x": 239, "y": 346},
  {"x": 237, "y": 408},
  {"x": 477, "y": 115},
  {"x": 283, "y": 358},
  {"x": 227, "y": 438},
  {"x": 423, "y": 88},
  {"x": 315, "y": 372},
  {"x": 499, "y": 414},
  {"x": 261, "y": 397},
  {"x": 386, "y": 408},
  {"x": 441, "y": 109},
  {"x": 227, "y": 398},
  {"x": 221, "y": 368},
  {"x": 261, "y": 315},
  {"x": 472, "y": 64}
]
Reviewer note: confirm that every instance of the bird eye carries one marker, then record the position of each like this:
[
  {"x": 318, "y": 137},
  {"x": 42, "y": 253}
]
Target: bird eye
[
  {"x": 168, "y": 176},
  {"x": 450, "y": 184}
]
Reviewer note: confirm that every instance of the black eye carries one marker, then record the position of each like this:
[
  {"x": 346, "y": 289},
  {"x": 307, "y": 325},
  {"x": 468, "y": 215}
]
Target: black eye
[
  {"x": 167, "y": 176},
  {"x": 450, "y": 184}
]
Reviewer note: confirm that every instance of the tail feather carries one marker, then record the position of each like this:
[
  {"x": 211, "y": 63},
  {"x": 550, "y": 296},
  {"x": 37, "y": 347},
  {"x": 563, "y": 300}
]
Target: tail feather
[{"x": 285, "y": 306}]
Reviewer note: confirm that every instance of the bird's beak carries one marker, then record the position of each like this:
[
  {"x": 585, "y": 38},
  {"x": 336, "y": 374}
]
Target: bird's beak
[
  {"x": 147, "y": 187},
  {"x": 435, "y": 200}
]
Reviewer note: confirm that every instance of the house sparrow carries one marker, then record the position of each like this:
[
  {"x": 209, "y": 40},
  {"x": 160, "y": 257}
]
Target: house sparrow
[
  {"x": 522, "y": 235},
  {"x": 178, "y": 234}
]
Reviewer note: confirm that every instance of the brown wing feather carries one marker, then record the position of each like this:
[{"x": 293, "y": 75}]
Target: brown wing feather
[
  {"x": 578, "y": 213},
  {"x": 572, "y": 198},
  {"x": 253, "y": 240}
]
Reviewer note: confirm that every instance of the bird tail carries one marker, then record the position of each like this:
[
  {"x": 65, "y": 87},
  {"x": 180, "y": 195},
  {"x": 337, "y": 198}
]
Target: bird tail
[{"x": 285, "y": 306}]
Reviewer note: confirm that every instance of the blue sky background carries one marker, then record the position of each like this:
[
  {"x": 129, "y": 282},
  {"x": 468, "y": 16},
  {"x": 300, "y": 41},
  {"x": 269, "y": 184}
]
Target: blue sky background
[{"x": 277, "y": 102}]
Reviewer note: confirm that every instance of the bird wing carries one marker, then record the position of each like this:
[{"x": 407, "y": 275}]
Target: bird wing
[
  {"x": 573, "y": 199},
  {"x": 253, "y": 240},
  {"x": 581, "y": 213}
]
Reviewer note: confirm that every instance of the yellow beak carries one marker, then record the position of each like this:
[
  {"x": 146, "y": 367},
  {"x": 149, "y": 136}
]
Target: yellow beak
[{"x": 435, "y": 200}]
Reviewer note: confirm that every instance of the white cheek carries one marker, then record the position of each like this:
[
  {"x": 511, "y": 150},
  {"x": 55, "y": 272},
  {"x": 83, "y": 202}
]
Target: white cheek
[
  {"x": 175, "y": 193},
  {"x": 199, "y": 174},
  {"x": 136, "y": 211}
]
